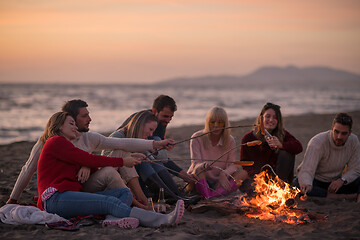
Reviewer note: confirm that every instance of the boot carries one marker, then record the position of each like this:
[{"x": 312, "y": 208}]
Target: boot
[
  {"x": 220, "y": 191},
  {"x": 154, "y": 219},
  {"x": 203, "y": 189}
]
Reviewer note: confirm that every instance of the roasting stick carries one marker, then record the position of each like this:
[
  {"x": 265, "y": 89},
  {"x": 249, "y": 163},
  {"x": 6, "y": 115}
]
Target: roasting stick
[
  {"x": 185, "y": 140},
  {"x": 247, "y": 163},
  {"x": 188, "y": 139},
  {"x": 250, "y": 144},
  {"x": 238, "y": 126},
  {"x": 153, "y": 162},
  {"x": 241, "y": 163}
]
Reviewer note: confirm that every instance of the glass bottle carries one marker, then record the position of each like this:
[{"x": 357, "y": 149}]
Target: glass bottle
[
  {"x": 161, "y": 201},
  {"x": 151, "y": 204}
]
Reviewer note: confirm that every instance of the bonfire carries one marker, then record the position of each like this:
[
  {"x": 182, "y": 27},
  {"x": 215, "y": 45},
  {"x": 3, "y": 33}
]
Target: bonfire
[{"x": 272, "y": 199}]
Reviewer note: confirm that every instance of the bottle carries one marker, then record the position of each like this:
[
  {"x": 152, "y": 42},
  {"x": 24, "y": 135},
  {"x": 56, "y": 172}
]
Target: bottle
[
  {"x": 151, "y": 204},
  {"x": 161, "y": 206}
]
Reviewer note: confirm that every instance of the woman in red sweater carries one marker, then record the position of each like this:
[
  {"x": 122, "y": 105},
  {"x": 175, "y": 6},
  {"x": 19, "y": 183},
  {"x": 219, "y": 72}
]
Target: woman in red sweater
[
  {"x": 278, "y": 148},
  {"x": 60, "y": 191}
]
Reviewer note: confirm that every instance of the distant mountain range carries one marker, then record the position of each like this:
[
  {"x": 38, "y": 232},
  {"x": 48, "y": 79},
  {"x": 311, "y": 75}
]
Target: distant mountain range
[{"x": 290, "y": 75}]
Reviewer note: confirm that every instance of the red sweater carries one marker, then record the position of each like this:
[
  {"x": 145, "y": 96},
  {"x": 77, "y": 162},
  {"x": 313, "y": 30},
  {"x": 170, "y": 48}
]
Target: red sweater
[
  {"x": 60, "y": 162},
  {"x": 263, "y": 154}
]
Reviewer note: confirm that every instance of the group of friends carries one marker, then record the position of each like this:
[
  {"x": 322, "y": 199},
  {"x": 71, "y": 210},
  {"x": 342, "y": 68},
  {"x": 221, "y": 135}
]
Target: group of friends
[{"x": 134, "y": 165}]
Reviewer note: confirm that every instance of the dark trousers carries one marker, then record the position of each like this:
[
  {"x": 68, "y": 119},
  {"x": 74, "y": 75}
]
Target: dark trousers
[
  {"x": 285, "y": 166},
  {"x": 320, "y": 189}
]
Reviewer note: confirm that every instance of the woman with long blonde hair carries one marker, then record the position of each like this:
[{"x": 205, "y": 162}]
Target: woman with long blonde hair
[
  {"x": 152, "y": 175},
  {"x": 215, "y": 172}
]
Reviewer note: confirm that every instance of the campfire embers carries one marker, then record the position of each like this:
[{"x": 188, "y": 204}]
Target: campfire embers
[{"x": 274, "y": 200}]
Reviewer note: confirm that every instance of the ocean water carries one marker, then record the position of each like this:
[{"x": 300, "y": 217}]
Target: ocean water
[{"x": 25, "y": 108}]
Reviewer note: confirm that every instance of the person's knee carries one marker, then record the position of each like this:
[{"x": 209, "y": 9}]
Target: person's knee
[
  {"x": 285, "y": 156},
  {"x": 109, "y": 172},
  {"x": 129, "y": 194},
  {"x": 240, "y": 174}
]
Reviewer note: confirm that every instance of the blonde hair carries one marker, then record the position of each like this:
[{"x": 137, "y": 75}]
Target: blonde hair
[
  {"x": 217, "y": 114},
  {"x": 53, "y": 126},
  {"x": 135, "y": 127}
]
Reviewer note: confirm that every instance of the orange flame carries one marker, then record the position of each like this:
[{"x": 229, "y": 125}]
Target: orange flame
[{"x": 275, "y": 200}]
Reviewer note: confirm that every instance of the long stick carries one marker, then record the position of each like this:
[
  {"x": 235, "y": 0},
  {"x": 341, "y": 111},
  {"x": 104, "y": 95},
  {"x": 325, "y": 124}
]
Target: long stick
[
  {"x": 238, "y": 126},
  {"x": 242, "y": 163},
  {"x": 250, "y": 144},
  {"x": 208, "y": 166},
  {"x": 153, "y": 162},
  {"x": 188, "y": 139},
  {"x": 253, "y": 143}
]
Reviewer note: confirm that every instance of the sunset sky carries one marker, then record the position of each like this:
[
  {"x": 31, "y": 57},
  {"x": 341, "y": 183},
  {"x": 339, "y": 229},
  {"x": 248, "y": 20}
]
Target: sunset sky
[{"x": 139, "y": 41}]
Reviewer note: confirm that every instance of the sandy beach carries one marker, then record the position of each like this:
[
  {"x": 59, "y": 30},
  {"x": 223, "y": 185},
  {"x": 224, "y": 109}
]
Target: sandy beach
[{"x": 342, "y": 216}]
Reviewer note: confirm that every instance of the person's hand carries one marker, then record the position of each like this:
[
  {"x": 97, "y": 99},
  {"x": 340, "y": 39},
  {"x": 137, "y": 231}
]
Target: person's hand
[
  {"x": 168, "y": 144},
  {"x": 224, "y": 181},
  {"x": 305, "y": 189},
  {"x": 199, "y": 168},
  {"x": 335, "y": 185},
  {"x": 190, "y": 178},
  {"x": 274, "y": 142},
  {"x": 11, "y": 201},
  {"x": 133, "y": 159},
  {"x": 83, "y": 174}
]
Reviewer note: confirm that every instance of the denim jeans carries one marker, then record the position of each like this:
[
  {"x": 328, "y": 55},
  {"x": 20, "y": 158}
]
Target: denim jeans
[
  {"x": 146, "y": 169},
  {"x": 68, "y": 204}
]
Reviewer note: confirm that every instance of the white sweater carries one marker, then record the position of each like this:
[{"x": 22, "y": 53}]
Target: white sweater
[
  {"x": 89, "y": 142},
  {"x": 325, "y": 161}
]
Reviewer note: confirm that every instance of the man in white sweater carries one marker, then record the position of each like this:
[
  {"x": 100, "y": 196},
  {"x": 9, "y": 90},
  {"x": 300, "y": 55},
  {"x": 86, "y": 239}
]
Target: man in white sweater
[
  {"x": 103, "y": 179},
  {"x": 331, "y": 165}
]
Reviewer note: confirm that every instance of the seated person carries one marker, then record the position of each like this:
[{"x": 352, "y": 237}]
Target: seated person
[
  {"x": 322, "y": 172},
  {"x": 278, "y": 148},
  {"x": 221, "y": 174},
  {"x": 164, "y": 108},
  {"x": 153, "y": 174}
]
